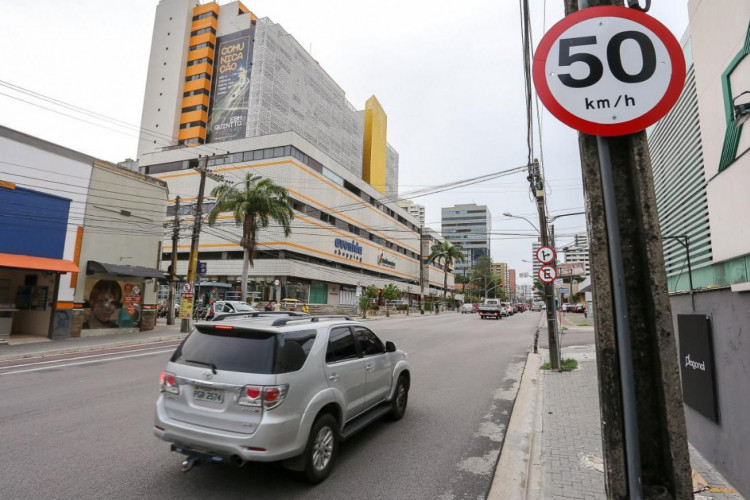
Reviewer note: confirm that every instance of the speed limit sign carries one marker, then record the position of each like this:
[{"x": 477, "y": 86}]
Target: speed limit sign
[{"x": 609, "y": 70}]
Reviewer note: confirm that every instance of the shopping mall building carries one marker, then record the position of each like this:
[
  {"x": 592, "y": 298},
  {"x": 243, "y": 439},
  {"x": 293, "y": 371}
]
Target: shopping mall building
[{"x": 240, "y": 94}]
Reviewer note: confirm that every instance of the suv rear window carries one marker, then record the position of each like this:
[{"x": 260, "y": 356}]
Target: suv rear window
[{"x": 246, "y": 351}]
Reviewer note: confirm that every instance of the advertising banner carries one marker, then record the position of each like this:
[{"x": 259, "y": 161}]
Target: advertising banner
[
  {"x": 187, "y": 299},
  {"x": 112, "y": 304},
  {"x": 571, "y": 268},
  {"x": 231, "y": 86}
]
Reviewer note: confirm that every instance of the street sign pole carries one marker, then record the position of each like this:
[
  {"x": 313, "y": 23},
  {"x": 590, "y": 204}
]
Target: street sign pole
[{"x": 580, "y": 76}]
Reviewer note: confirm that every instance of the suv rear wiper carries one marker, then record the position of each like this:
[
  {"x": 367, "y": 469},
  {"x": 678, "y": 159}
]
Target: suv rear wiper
[{"x": 210, "y": 365}]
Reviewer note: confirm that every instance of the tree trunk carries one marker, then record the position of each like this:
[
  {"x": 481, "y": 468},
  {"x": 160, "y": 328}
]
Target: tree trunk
[
  {"x": 387, "y": 312},
  {"x": 245, "y": 266},
  {"x": 445, "y": 280}
]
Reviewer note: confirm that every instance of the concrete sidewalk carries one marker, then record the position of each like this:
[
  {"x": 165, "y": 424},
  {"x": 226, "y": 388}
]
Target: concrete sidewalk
[
  {"x": 553, "y": 447},
  {"x": 161, "y": 332}
]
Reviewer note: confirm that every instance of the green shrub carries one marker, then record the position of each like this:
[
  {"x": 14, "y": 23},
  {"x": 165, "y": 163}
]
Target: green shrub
[{"x": 402, "y": 307}]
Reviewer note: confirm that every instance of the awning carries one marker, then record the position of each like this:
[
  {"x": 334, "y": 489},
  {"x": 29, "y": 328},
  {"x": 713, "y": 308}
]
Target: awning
[
  {"x": 212, "y": 284},
  {"x": 37, "y": 263},
  {"x": 120, "y": 270}
]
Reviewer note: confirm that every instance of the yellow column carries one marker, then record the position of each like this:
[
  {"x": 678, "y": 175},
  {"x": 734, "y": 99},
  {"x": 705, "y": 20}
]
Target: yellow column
[{"x": 373, "y": 154}]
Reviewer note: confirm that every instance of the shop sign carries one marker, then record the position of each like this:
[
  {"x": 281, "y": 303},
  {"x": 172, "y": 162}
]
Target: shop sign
[
  {"x": 386, "y": 262},
  {"x": 697, "y": 364},
  {"x": 348, "y": 249}
]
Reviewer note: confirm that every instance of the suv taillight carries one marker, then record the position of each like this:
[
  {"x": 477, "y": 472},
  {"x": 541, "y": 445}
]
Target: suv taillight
[
  {"x": 168, "y": 383},
  {"x": 269, "y": 396}
]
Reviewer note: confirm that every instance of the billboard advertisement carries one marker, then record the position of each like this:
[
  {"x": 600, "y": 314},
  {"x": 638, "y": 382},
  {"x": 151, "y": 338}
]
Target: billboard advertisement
[
  {"x": 112, "y": 304},
  {"x": 571, "y": 268},
  {"x": 230, "y": 95}
]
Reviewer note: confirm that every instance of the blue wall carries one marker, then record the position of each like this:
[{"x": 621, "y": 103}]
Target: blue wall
[{"x": 32, "y": 223}]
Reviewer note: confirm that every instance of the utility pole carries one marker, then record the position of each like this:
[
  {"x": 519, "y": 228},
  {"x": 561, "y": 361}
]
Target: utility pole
[
  {"x": 200, "y": 166},
  {"x": 644, "y": 437},
  {"x": 421, "y": 271},
  {"x": 173, "y": 266},
  {"x": 537, "y": 189}
]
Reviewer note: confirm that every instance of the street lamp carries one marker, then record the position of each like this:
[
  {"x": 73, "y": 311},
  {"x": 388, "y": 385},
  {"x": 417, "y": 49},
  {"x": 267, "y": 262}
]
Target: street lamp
[
  {"x": 686, "y": 246},
  {"x": 506, "y": 214},
  {"x": 554, "y": 218}
]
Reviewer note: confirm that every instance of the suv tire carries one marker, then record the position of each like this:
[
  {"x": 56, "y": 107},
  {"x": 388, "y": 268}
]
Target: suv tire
[
  {"x": 400, "y": 399},
  {"x": 322, "y": 448}
]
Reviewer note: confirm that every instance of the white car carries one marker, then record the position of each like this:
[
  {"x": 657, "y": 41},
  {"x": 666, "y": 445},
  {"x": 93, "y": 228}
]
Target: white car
[
  {"x": 468, "y": 309},
  {"x": 230, "y": 306}
]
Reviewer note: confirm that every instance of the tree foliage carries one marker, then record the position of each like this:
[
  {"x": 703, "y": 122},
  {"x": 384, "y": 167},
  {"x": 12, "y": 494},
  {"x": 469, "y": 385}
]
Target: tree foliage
[{"x": 445, "y": 254}]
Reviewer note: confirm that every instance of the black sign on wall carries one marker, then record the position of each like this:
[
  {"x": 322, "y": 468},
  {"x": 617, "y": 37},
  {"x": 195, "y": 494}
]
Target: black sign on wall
[{"x": 697, "y": 364}]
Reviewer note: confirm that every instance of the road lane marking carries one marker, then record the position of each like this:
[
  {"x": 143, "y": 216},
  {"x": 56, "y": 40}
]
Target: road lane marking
[
  {"x": 73, "y": 359},
  {"x": 85, "y": 362}
]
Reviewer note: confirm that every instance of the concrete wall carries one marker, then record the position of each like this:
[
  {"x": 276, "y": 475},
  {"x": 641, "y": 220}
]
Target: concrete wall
[
  {"x": 718, "y": 31},
  {"x": 126, "y": 230},
  {"x": 726, "y": 444}
]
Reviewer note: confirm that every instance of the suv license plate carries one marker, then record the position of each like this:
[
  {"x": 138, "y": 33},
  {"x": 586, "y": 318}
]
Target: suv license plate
[{"x": 208, "y": 394}]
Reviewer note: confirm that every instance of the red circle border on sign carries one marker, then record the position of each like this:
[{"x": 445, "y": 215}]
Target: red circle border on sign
[{"x": 676, "y": 82}]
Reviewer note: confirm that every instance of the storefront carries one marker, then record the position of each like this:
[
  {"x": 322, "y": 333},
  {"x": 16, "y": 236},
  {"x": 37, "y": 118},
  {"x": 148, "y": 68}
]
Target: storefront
[{"x": 28, "y": 297}]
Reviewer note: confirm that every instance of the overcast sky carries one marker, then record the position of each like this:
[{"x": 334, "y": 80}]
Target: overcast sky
[{"x": 448, "y": 74}]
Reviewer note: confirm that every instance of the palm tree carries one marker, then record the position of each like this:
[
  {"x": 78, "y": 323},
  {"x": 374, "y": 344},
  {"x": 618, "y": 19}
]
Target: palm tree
[
  {"x": 254, "y": 207},
  {"x": 447, "y": 254}
]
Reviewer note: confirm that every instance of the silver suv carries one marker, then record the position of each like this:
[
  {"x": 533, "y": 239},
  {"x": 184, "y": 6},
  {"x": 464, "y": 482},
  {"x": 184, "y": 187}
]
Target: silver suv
[{"x": 278, "y": 389}]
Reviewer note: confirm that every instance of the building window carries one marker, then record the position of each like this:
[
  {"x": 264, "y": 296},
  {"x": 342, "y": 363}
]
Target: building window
[
  {"x": 198, "y": 77},
  {"x": 203, "y": 30},
  {"x": 205, "y": 15},
  {"x": 202, "y": 46},
  {"x": 198, "y": 107}
]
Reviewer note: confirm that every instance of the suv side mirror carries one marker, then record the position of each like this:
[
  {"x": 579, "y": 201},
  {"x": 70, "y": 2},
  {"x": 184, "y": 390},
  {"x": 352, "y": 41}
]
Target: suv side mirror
[{"x": 390, "y": 346}]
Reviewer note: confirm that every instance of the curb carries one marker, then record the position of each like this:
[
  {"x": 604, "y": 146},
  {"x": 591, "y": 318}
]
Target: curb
[
  {"x": 518, "y": 470},
  {"x": 90, "y": 347}
]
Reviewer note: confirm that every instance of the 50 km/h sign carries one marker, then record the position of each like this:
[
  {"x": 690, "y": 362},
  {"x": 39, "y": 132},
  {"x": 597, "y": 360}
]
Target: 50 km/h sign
[{"x": 609, "y": 70}]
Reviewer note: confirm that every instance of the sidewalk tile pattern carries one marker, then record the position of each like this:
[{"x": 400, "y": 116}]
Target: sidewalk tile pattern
[{"x": 571, "y": 435}]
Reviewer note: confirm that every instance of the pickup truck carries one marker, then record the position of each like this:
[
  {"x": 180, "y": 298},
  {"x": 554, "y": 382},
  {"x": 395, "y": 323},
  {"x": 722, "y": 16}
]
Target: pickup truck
[{"x": 492, "y": 308}]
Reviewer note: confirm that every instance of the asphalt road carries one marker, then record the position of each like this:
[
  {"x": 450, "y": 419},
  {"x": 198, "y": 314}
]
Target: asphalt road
[{"x": 80, "y": 426}]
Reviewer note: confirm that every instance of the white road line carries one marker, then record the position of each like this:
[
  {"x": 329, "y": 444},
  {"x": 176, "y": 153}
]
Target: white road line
[
  {"x": 73, "y": 359},
  {"x": 85, "y": 362}
]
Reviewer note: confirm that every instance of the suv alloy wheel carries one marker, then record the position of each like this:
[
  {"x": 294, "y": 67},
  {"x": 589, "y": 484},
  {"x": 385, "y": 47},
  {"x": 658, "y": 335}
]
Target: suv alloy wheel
[
  {"x": 400, "y": 399},
  {"x": 322, "y": 448}
]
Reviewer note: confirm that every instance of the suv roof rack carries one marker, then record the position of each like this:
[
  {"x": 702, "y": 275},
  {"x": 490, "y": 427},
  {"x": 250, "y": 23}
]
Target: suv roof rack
[
  {"x": 256, "y": 314},
  {"x": 311, "y": 319}
]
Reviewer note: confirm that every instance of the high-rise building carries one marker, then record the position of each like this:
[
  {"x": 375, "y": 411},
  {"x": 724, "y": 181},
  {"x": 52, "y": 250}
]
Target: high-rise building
[
  {"x": 244, "y": 94},
  {"x": 578, "y": 251},
  {"x": 503, "y": 272},
  {"x": 218, "y": 73},
  {"x": 511, "y": 288},
  {"x": 470, "y": 226},
  {"x": 414, "y": 209}
]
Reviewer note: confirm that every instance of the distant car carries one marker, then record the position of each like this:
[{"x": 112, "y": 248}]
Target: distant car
[
  {"x": 468, "y": 309},
  {"x": 230, "y": 306}
]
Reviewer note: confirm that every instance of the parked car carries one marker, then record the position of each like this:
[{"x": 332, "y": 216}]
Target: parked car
[
  {"x": 492, "y": 308},
  {"x": 230, "y": 306},
  {"x": 468, "y": 309},
  {"x": 286, "y": 389}
]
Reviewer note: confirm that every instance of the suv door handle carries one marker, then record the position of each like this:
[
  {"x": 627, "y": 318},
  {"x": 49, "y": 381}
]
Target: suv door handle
[
  {"x": 369, "y": 367},
  {"x": 333, "y": 378}
]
